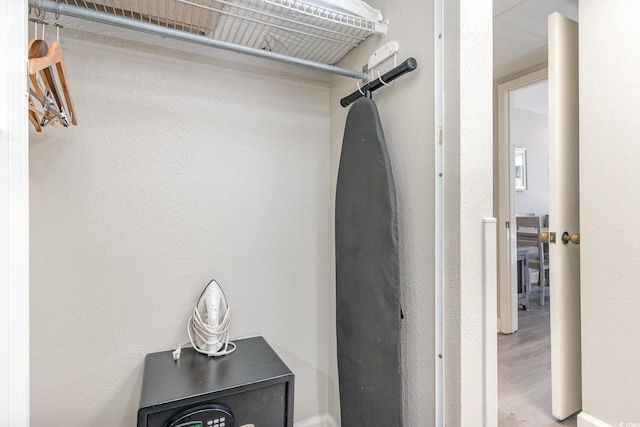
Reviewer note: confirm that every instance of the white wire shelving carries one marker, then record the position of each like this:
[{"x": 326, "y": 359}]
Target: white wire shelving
[{"x": 292, "y": 31}]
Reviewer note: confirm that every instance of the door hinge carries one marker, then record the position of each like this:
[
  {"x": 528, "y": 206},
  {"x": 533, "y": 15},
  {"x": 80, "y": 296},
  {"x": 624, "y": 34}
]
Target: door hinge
[{"x": 507, "y": 224}]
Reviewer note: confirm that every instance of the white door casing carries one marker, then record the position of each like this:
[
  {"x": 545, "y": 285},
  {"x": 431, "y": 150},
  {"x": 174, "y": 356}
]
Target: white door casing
[
  {"x": 564, "y": 259},
  {"x": 14, "y": 216}
]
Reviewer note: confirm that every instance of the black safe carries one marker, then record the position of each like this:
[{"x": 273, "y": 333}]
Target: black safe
[{"x": 252, "y": 385}]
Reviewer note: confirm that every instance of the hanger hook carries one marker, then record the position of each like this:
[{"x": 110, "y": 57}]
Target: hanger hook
[
  {"x": 380, "y": 78},
  {"x": 366, "y": 92},
  {"x": 58, "y": 26},
  {"x": 43, "y": 22}
]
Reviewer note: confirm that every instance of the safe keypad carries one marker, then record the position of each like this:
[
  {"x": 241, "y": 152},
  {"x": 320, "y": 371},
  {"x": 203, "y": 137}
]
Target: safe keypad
[{"x": 217, "y": 422}]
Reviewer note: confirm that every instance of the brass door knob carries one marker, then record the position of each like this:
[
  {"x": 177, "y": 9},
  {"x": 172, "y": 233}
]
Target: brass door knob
[
  {"x": 544, "y": 236},
  {"x": 573, "y": 238}
]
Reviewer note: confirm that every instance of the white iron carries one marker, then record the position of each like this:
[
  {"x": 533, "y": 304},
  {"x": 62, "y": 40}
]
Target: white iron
[
  {"x": 212, "y": 308},
  {"x": 208, "y": 326}
]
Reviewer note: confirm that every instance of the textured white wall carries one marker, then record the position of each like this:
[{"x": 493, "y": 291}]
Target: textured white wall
[
  {"x": 609, "y": 204},
  {"x": 183, "y": 168},
  {"x": 468, "y": 198},
  {"x": 530, "y": 130}
]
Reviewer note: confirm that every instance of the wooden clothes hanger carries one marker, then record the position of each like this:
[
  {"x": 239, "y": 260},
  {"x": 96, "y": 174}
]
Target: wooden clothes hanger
[
  {"x": 42, "y": 59},
  {"x": 37, "y": 49}
]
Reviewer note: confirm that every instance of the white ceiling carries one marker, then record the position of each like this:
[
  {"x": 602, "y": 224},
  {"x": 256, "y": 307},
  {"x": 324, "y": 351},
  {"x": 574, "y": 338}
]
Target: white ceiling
[{"x": 520, "y": 26}]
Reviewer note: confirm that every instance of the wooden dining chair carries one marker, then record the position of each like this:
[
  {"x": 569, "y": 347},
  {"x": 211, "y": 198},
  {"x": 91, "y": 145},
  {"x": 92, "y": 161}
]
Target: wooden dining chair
[{"x": 528, "y": 235}]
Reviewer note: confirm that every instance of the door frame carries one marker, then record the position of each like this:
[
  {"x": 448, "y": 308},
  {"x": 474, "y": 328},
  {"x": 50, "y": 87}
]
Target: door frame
[
  {"x": 507, "y": 251},
  {"x": 14, "y": 217}
]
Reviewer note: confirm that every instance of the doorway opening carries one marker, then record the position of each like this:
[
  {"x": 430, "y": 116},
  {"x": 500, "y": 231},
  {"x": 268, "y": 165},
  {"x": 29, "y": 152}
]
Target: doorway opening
[
  {"x": 529, "y": 137},
  {"x": 522, "y": 125},
  {"x": 524, "y": 358}
]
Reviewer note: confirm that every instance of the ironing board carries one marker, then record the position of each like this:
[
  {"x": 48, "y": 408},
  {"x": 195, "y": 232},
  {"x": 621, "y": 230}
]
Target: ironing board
[{"x": 367, "y": 276}]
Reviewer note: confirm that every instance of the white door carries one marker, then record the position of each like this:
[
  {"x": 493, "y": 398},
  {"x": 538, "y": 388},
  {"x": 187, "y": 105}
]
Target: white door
[{"x": 564, "y": 258}]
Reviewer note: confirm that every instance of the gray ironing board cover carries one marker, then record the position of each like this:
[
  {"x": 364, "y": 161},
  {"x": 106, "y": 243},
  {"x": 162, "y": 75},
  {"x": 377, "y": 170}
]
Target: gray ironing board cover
[{"x": 367, "y": 276}]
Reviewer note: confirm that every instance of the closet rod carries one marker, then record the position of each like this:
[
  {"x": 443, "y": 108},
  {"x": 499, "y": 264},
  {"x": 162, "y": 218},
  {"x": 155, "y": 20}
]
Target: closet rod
[
  {"x": 103, "y": 18},
  {"x": 407, "y": 66}
]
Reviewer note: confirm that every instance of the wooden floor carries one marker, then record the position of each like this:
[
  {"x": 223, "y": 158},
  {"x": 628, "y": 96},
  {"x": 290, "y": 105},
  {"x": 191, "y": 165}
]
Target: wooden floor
[{"x": 524, "y": 372}]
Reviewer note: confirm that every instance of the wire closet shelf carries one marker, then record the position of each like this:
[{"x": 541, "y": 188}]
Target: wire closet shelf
[{"x": 282, "y": 28}]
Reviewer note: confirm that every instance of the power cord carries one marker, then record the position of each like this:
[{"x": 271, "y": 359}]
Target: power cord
[{"x": 210, "y": 335}]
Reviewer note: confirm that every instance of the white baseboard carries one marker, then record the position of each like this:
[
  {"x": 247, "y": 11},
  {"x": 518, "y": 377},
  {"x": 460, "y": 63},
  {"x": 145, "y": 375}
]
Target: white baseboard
[
  {"x": 586, "y": 420},
  {"x": 325, "y": 420}
]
